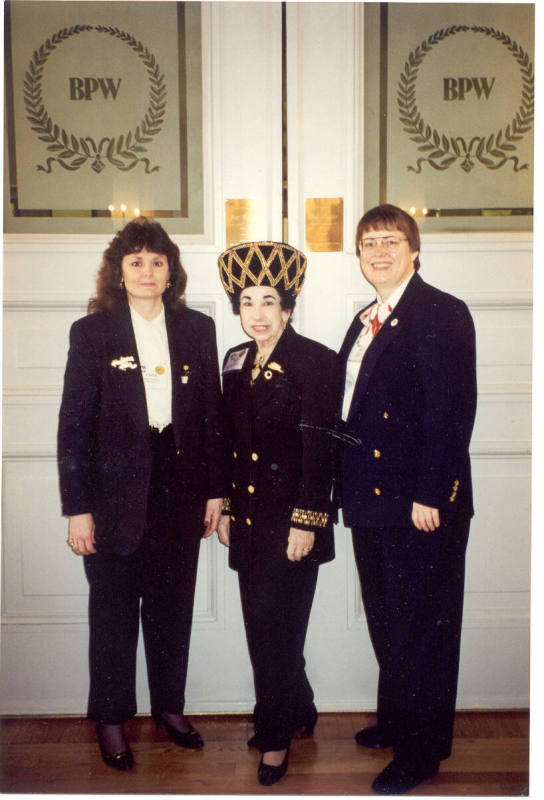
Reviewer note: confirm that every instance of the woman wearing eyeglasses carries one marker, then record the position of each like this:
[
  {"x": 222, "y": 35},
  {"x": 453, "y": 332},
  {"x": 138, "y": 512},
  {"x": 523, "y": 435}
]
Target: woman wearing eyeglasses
[{"x": 408, "y": 410}]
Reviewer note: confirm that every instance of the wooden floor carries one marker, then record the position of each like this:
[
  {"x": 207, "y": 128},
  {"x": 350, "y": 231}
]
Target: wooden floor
[{"x": 55, "y": 756}]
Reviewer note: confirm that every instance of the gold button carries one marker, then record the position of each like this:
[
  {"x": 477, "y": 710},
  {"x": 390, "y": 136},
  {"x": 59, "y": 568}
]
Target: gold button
[
  {"x": 235, "y": 454},
  {"x": 248, "y": 521},
  {"x": 251, "y": 489},
  {"x": 385, "y": 415},
  {"x": 233, "y": 518},
  {"x": 452, "y": 498},
  {"x": 377, "y": 454},
  {"x": 254, "y": 456},
  {"x": 377, "y": 491},
  {"x": 178, "y": 452},
  {"x": 233, "y": 485},
  {"x": 456, "y": 484}
]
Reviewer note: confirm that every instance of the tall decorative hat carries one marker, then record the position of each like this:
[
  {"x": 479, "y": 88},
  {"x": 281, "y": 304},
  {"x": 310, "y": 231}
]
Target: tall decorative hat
[{"x": 262, "y": 264}]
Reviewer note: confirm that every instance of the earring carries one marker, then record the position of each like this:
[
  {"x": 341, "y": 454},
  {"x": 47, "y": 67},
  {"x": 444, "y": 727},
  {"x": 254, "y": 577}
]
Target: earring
[
  {"x": 121, "y": 283},
  {"x": 168, "y": 284}
]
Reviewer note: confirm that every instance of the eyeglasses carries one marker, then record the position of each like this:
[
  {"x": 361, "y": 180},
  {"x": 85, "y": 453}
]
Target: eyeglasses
[{"x": 387, "y": 242}]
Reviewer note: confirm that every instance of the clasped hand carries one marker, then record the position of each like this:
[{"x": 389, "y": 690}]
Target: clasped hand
[{"x": 300, "y": 543}]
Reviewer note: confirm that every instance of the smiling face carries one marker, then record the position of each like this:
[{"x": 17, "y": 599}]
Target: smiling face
[
  {"x": 146, "y": 275},
  {"x": 262, "y": 316},
  {"x": 386, "y": 267}
]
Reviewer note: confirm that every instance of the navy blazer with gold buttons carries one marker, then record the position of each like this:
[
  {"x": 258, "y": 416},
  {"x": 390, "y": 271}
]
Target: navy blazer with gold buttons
[
  {"x": 411, "y": 417},
  {"x": 282, "y": 446},
  {"x": 104, "y": 441}
]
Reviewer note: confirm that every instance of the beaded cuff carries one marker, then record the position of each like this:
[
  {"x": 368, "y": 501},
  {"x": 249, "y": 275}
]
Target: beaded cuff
[
  {"x": 225, "y": 508},
  {"x": 314, "y": 519}
]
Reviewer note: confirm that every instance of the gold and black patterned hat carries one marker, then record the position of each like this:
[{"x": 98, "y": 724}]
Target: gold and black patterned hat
[{"x": 262, "y": 264}]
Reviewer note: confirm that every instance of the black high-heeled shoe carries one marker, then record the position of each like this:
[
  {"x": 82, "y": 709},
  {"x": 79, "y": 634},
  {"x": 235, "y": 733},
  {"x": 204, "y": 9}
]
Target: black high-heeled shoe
[
  {"x": 303, "y": 730},
  {"x": 192, "y": 740},
  {"x": 306, "y": 728},
  {"x": 123, "y": 761},
  {"x": 267, "y": 774}
]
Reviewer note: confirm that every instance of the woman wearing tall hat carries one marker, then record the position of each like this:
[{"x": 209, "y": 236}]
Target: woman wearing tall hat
[
  {"x": 142, "y": 474},
  {"x": 281, "y": 391}
]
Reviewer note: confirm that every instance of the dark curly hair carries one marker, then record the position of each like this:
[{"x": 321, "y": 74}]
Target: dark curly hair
[
  {"x": 139, "y": 234},
  {"x": 288, "y": 300},
  {"x": 392, "y": 218}
]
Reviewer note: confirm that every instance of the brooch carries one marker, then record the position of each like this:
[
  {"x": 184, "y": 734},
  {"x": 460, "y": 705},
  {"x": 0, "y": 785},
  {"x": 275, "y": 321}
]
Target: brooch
[
  {"x": 185, "y": 378},
  {"x": 275, "y": 365},
  {"x": 267, "y": 374},
  {"x": 124, "y": 362}
]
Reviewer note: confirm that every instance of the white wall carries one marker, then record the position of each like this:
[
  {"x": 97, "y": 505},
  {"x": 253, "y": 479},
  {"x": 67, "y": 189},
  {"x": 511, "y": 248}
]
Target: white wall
[{"x": 47, "y": 281}]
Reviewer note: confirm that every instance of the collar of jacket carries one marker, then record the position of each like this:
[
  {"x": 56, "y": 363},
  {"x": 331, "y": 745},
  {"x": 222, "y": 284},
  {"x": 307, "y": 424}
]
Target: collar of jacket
[
  {"x": 183, "y": 345},
  {"x": 392, "y": 327}
]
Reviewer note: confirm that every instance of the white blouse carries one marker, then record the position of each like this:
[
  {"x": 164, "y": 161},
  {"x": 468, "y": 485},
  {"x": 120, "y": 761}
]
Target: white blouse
[
  {"x": 152, "y": 343},
  {"x": 362, "y": 343}
]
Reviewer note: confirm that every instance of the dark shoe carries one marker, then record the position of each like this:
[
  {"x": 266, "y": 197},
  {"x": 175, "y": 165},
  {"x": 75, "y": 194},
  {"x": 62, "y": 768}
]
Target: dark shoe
[
  {"x": 190, "y": 739},
  {"x": 306, "y": 728},
  {"x": 398, "y": 779},
  {"x": 373, "y": 737},
  {"x": 124, "y": 760},
  {"x": 267, "y": 774}
]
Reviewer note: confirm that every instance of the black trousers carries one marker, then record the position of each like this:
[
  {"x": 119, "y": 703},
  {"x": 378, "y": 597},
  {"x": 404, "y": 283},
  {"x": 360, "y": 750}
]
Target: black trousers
[
  {"x": 412, "y": 585},
  {"x": 277, "y": 597},
  {"x": 157, "y": 582}
]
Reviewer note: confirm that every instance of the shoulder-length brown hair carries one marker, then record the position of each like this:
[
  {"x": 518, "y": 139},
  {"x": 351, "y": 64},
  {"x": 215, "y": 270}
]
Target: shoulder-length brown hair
[
  {"x": 139, "y": 234},
  {"x": 392, "y": 218}
]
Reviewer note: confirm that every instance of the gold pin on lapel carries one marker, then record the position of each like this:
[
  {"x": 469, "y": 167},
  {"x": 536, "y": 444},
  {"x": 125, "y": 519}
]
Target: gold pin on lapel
[
  {"x": 275, "y": 365},
  {"x": 267, "y": 374}
]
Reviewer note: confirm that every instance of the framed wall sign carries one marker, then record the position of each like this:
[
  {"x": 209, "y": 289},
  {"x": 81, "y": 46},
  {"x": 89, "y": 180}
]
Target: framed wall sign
[
  {"x": 449, "y": 112},
  {"x": 104, "y": 115}
]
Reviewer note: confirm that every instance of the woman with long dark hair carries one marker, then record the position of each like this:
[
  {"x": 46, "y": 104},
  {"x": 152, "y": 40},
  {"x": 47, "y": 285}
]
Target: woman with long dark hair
[{"x": 140, "y": 447}]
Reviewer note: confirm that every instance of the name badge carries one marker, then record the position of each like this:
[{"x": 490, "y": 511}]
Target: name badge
[
  {"x": 236, "y": 360},
  {"x": 154, "y": 377}
]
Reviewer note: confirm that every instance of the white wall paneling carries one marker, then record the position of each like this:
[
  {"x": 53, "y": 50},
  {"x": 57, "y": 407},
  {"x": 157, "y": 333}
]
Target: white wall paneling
[{"x": 48, "y": 280}]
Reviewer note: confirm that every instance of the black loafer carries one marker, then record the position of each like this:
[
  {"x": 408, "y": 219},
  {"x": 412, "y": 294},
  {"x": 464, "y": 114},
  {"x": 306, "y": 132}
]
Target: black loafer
[
  {"x": 123, "y": 761},
  {"x": 191, "y": 739},
  {"x": 399, "y": 778},
  {"x": 267, "y": 774},
  {"x": 373, "y": 737}
]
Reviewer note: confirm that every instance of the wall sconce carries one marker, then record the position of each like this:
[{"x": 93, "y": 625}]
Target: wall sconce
[{"x": 122, "y": 210}]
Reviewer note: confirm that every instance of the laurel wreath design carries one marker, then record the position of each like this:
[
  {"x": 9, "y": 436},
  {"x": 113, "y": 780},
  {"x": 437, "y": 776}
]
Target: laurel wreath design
[
  {"x": 491, "y": 150},
  {"x": 72, "y": 152}
]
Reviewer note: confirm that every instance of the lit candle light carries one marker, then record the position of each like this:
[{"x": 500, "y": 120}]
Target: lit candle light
[
  {"x": 136, "y": 212},
  {"x": 111, "y": 208},
  {"x": 412, "y": 211},
  {"x": 424, "y": 211}
]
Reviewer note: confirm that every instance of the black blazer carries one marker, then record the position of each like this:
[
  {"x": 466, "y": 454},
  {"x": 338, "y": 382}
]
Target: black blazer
[
  {"x": 281, "y": 446},
  {"x": 103, "y": 438},
  {"x": 412, "y": 413}
]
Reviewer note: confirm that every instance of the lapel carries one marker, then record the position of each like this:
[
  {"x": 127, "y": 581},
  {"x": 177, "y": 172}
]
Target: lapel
[
  {"x": 394, "y": 326},
  {"x": 185, "y": 365},
  {"x": 238, "y": 394},
  {"x": 128, "y": 383},
  {"x": 271, "y": 379}
]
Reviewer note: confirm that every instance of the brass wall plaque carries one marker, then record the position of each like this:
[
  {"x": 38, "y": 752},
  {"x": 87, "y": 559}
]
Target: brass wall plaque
[
  {"x": 244, "y": 221},
  {"x": 324, "y": 224}
]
